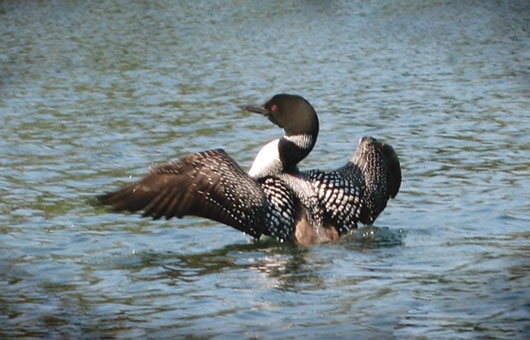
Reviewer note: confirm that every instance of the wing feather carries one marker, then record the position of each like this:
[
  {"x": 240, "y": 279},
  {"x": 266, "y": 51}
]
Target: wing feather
[
  {"x": 382, "y": 174},
  {"x": 208, "y": 184}
]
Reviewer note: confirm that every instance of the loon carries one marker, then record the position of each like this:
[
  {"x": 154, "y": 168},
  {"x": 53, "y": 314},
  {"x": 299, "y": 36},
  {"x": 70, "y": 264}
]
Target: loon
[{"x": 274, "y": 198}]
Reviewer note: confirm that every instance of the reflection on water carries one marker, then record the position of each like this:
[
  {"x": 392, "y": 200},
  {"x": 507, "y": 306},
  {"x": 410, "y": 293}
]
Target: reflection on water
[
  {"x": 284, "y": 263},
  {"x": 92, "y": 94}
]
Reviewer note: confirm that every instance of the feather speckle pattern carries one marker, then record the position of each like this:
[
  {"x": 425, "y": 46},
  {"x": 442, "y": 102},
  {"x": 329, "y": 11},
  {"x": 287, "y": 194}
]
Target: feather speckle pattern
[
  {"x": 210, "y": 184},
  {"x": 358, "y": 191}
]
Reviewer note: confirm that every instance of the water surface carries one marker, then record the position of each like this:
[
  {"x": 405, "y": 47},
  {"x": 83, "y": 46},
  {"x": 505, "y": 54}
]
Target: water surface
[{"x": 92, "y": 94}]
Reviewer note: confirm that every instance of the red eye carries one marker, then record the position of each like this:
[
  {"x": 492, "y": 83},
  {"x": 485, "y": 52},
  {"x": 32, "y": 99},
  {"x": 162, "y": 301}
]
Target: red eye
[{"x": 274, "y": 107}]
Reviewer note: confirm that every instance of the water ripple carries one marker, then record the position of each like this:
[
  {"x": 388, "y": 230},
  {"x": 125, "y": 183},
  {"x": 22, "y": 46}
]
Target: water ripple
[{"x": 93, "y": 94}]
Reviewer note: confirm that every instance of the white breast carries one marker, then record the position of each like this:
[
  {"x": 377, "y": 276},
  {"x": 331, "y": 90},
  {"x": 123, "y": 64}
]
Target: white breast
[{"x": 267, "y": 161}]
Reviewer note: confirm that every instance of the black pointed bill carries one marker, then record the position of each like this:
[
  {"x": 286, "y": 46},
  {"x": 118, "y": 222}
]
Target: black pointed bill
[{"x": 255, "y": 109}]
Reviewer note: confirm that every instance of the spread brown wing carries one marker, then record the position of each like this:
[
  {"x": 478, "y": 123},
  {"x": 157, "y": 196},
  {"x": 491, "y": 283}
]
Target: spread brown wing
[{"x": 208, "y": 184}]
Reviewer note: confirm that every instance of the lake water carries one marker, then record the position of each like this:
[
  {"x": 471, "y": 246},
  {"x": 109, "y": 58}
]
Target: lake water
[{"x": 93, "y": 93}]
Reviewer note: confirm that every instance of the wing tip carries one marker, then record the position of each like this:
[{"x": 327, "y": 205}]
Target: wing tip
[{"x": 393, "y": 169}]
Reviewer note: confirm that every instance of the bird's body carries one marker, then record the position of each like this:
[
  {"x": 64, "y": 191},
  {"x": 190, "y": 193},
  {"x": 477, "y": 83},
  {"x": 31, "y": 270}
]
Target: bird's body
[{"x": 274, "y": 198}]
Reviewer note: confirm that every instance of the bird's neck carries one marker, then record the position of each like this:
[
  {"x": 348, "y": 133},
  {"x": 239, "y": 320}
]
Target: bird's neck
[{"x": 282, "y": 155}]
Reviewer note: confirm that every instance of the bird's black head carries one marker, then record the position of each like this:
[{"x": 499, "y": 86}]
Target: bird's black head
[{"x": 291, "y": 112}]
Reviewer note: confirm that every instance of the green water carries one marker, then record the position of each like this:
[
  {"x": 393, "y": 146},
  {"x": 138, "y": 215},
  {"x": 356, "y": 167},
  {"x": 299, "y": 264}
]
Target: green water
[{"x": 92, "y": 94}]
